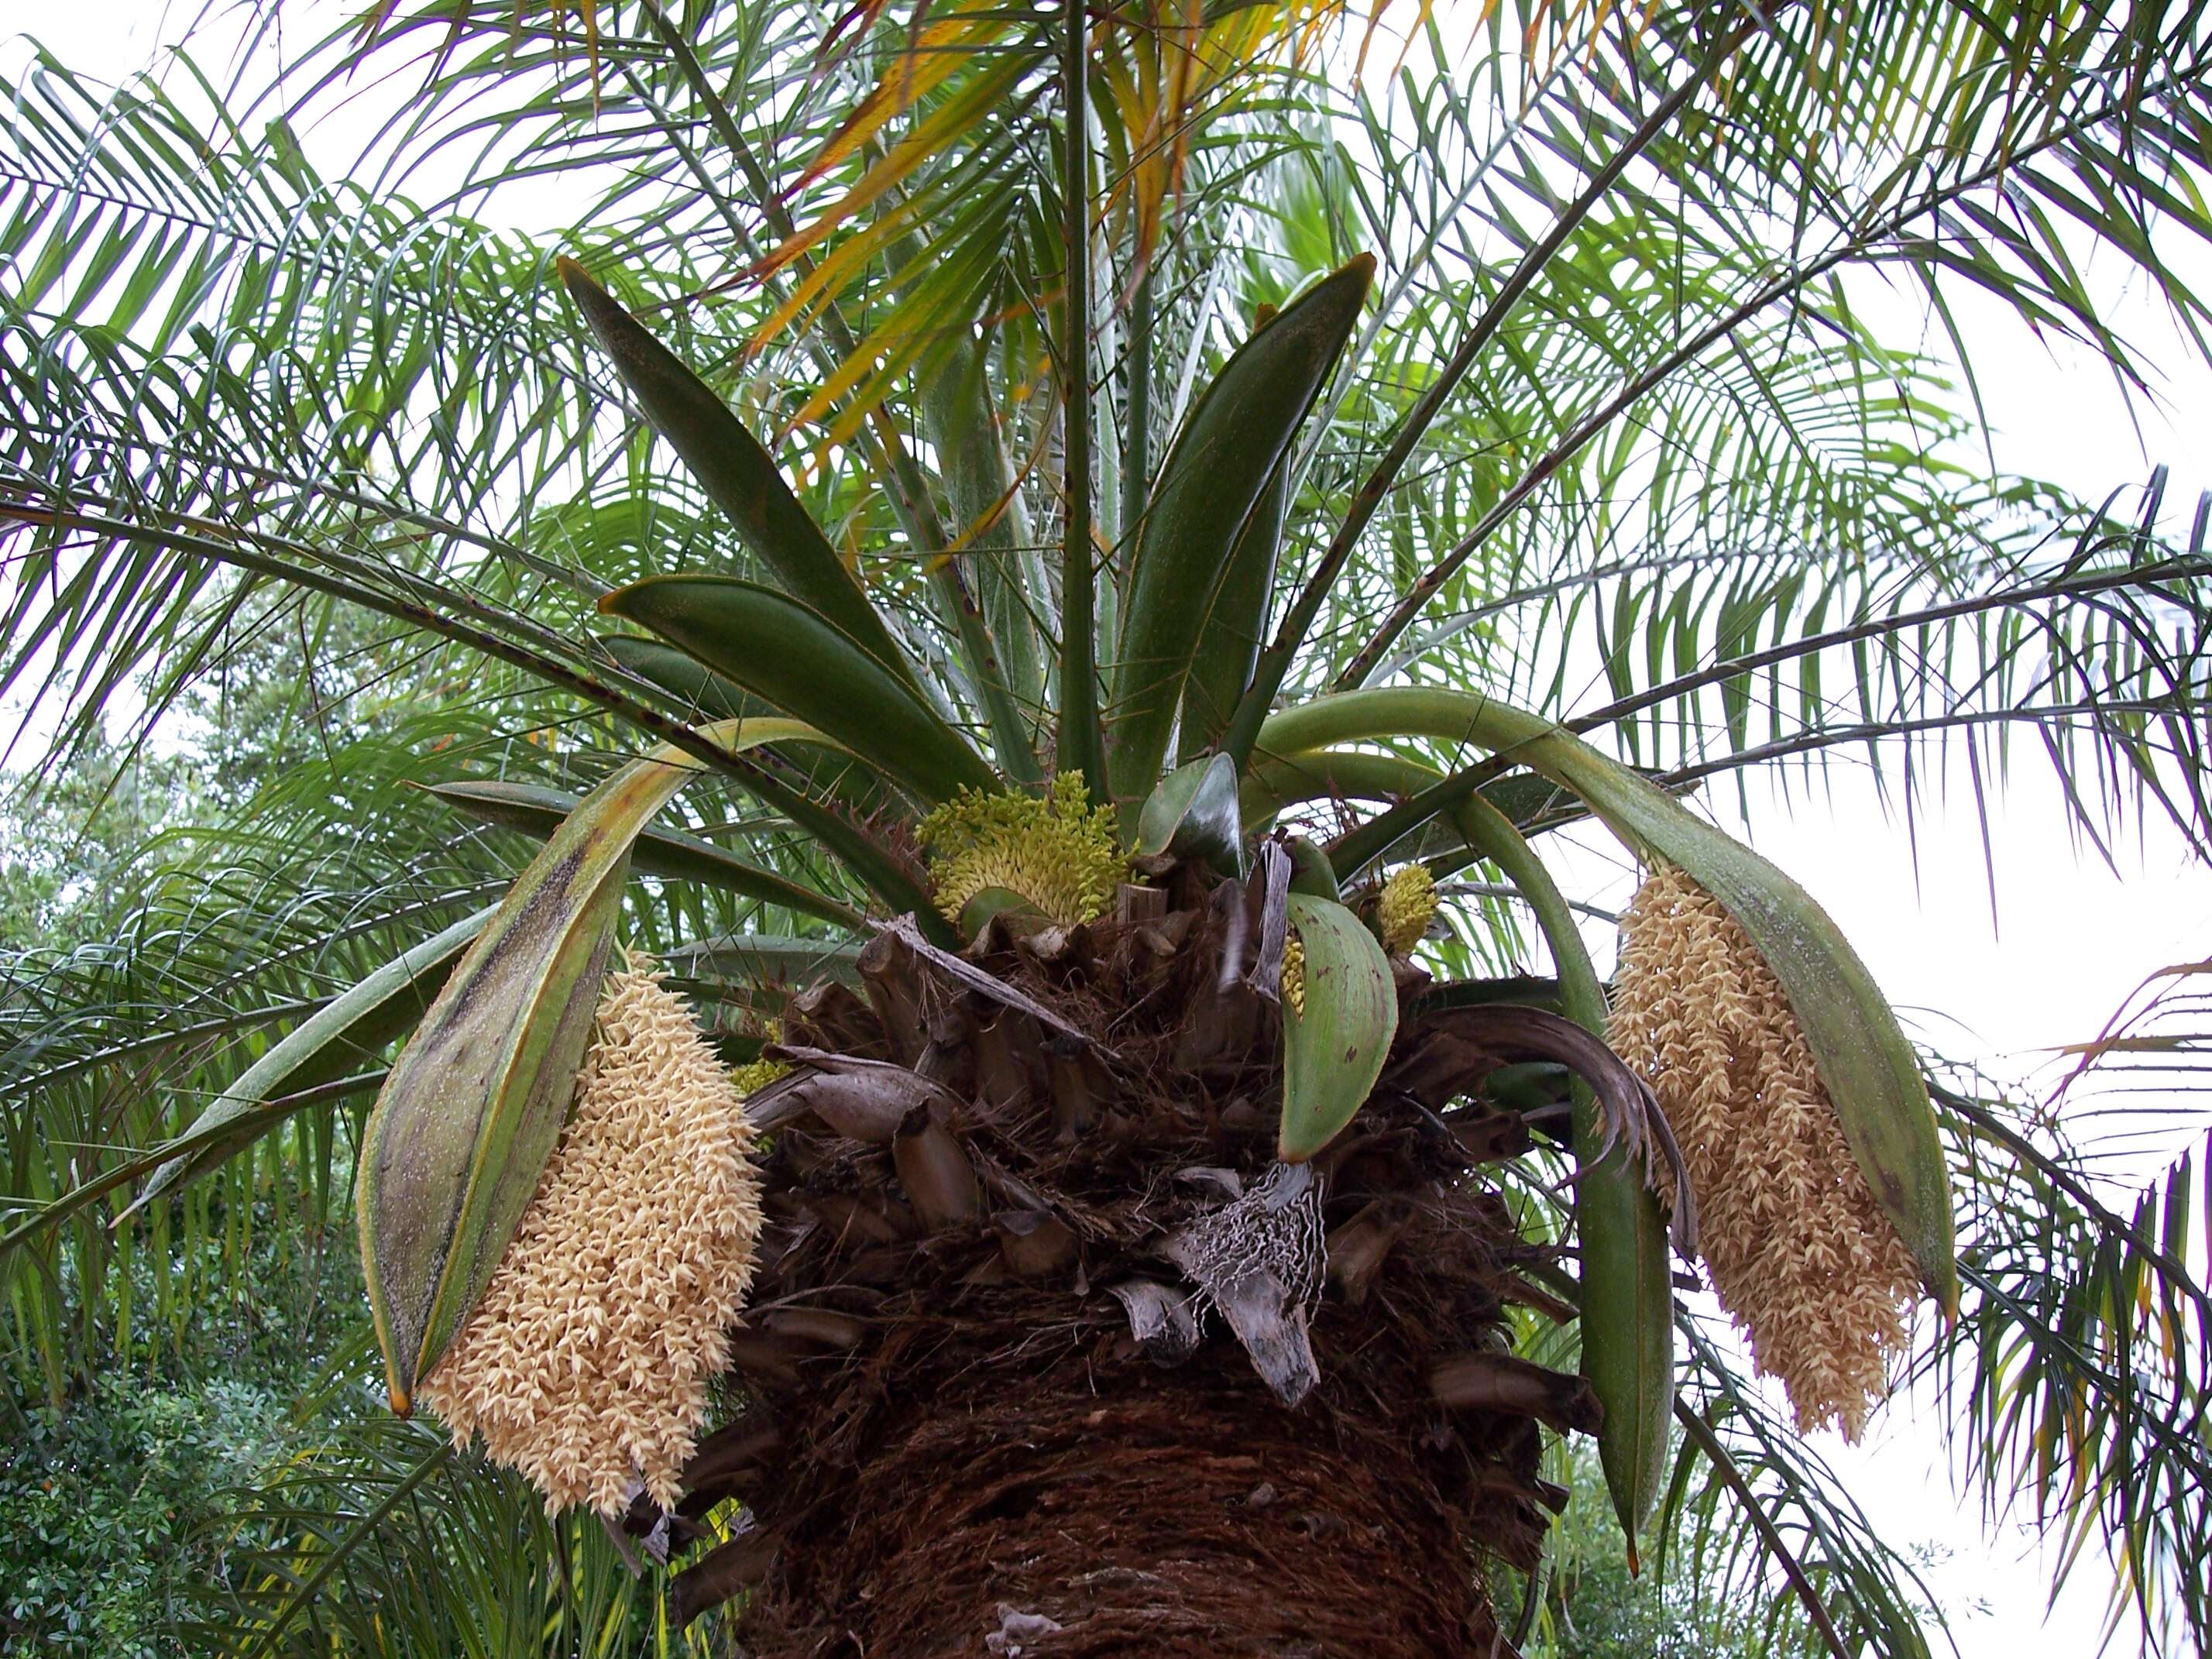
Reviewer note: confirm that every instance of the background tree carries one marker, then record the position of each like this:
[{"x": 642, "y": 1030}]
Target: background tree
[{"x": 1614, "y": 412}]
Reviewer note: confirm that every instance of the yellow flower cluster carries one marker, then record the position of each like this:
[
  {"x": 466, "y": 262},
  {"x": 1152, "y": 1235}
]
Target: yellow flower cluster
[
  {"x": 754, "y": 1076},
  {"x": 1059, "y": 852},
  {"x": 585, "y": 1365},
  {"x": 1802, "y": 1255},
  {"x": 1408, "y": 906},
  {"x": 1294, "y": 972}
]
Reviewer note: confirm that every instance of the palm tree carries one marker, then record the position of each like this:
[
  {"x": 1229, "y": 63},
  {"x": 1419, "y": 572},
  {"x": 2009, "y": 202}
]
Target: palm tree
[{"x": 1097, "y": 609}]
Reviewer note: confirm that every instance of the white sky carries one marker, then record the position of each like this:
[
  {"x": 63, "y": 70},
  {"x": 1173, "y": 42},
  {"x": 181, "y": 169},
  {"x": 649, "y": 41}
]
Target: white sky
[{"x": 2071, "y": 938}]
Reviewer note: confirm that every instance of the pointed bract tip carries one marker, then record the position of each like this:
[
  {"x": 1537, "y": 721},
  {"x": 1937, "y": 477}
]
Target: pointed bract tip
[
  {"x": 1364, "y": 264},
  {"x": 403, "y": 1403},
  {"x": 583, "y": 288},
  {"x": 612, "y": 602},
  {"x": 1635, "y": 1563}
]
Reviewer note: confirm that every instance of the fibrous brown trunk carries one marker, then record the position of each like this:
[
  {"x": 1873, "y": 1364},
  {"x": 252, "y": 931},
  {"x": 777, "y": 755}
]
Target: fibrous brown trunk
[{"x": 1187, "y": 1513}]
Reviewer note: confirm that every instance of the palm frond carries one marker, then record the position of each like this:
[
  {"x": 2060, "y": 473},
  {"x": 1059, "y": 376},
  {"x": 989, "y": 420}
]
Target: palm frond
[{"x": 2080, "y": 1372}]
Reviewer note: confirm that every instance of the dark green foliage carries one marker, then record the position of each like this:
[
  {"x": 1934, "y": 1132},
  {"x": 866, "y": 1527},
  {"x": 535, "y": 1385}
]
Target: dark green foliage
[
  {"x": 329, "y": 483},
  {"x": 114, "y": 1508},
  {"x": 174, "y": 1504},
  {"x": 1590, "y": 1607},
  {"x": 118, "y": 1501},
  {"x": 65, "y": 842}
]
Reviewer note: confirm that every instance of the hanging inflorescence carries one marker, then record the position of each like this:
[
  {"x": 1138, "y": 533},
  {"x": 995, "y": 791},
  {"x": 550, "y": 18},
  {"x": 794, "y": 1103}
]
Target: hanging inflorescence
[
  {"x": 1802, "y": 1255},
  {"x": 585, "y": 1365}
]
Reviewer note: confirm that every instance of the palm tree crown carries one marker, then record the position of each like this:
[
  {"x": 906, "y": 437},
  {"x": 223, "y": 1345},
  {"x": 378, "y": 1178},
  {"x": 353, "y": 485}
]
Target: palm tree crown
[{"x": 1024, "y": 558}]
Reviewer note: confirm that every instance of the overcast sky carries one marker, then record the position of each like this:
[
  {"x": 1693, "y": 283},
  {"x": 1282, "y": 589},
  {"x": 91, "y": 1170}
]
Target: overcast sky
[{"x": 2070, "y": 938}]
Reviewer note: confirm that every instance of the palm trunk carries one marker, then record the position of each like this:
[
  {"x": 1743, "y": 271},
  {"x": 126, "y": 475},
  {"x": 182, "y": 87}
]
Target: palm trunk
[{"x": 1068, "y": 1513}]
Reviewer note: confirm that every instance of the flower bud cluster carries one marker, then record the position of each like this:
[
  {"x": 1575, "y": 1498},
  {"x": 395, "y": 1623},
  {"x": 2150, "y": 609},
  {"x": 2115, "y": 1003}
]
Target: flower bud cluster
[
  {"x": 585, "y": 1365},
  {"x": 1802, "y": 1255}
]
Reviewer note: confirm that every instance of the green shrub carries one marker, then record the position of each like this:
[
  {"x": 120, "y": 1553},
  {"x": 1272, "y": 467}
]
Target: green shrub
[{"x": 114, "y": 1508}]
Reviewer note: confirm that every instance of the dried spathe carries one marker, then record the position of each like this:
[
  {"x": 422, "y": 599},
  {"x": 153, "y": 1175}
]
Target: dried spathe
[
  {"x": 585, "y": 1365},
  {"x": 1801, "y": 1254}
]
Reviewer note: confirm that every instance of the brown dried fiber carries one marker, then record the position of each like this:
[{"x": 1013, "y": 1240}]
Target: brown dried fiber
[
  {"x": 1006, "y": 1446},
  {"x": 587, "y": 1364},
  {"x": 1802, "y": 1255}
]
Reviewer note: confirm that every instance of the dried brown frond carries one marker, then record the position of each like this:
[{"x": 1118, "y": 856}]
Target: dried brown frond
[
  {"x": 1802, "y": 1255},
  {"x": 586, "y": 1366},
  {"x": 1002, "y": 1391}
]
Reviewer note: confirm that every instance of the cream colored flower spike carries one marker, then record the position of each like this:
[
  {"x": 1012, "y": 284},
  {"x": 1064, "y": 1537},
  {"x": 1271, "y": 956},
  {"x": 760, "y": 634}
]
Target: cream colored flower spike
[
  {"x": 585, "y": 1365},
  {"x": 1801, "y": 1254}
]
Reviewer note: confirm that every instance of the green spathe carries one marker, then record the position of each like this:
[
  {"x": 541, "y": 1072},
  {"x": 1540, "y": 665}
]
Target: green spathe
[
  {"x": 1869, "y": 1069},
  {"x": 1334, "y": 1044}
]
